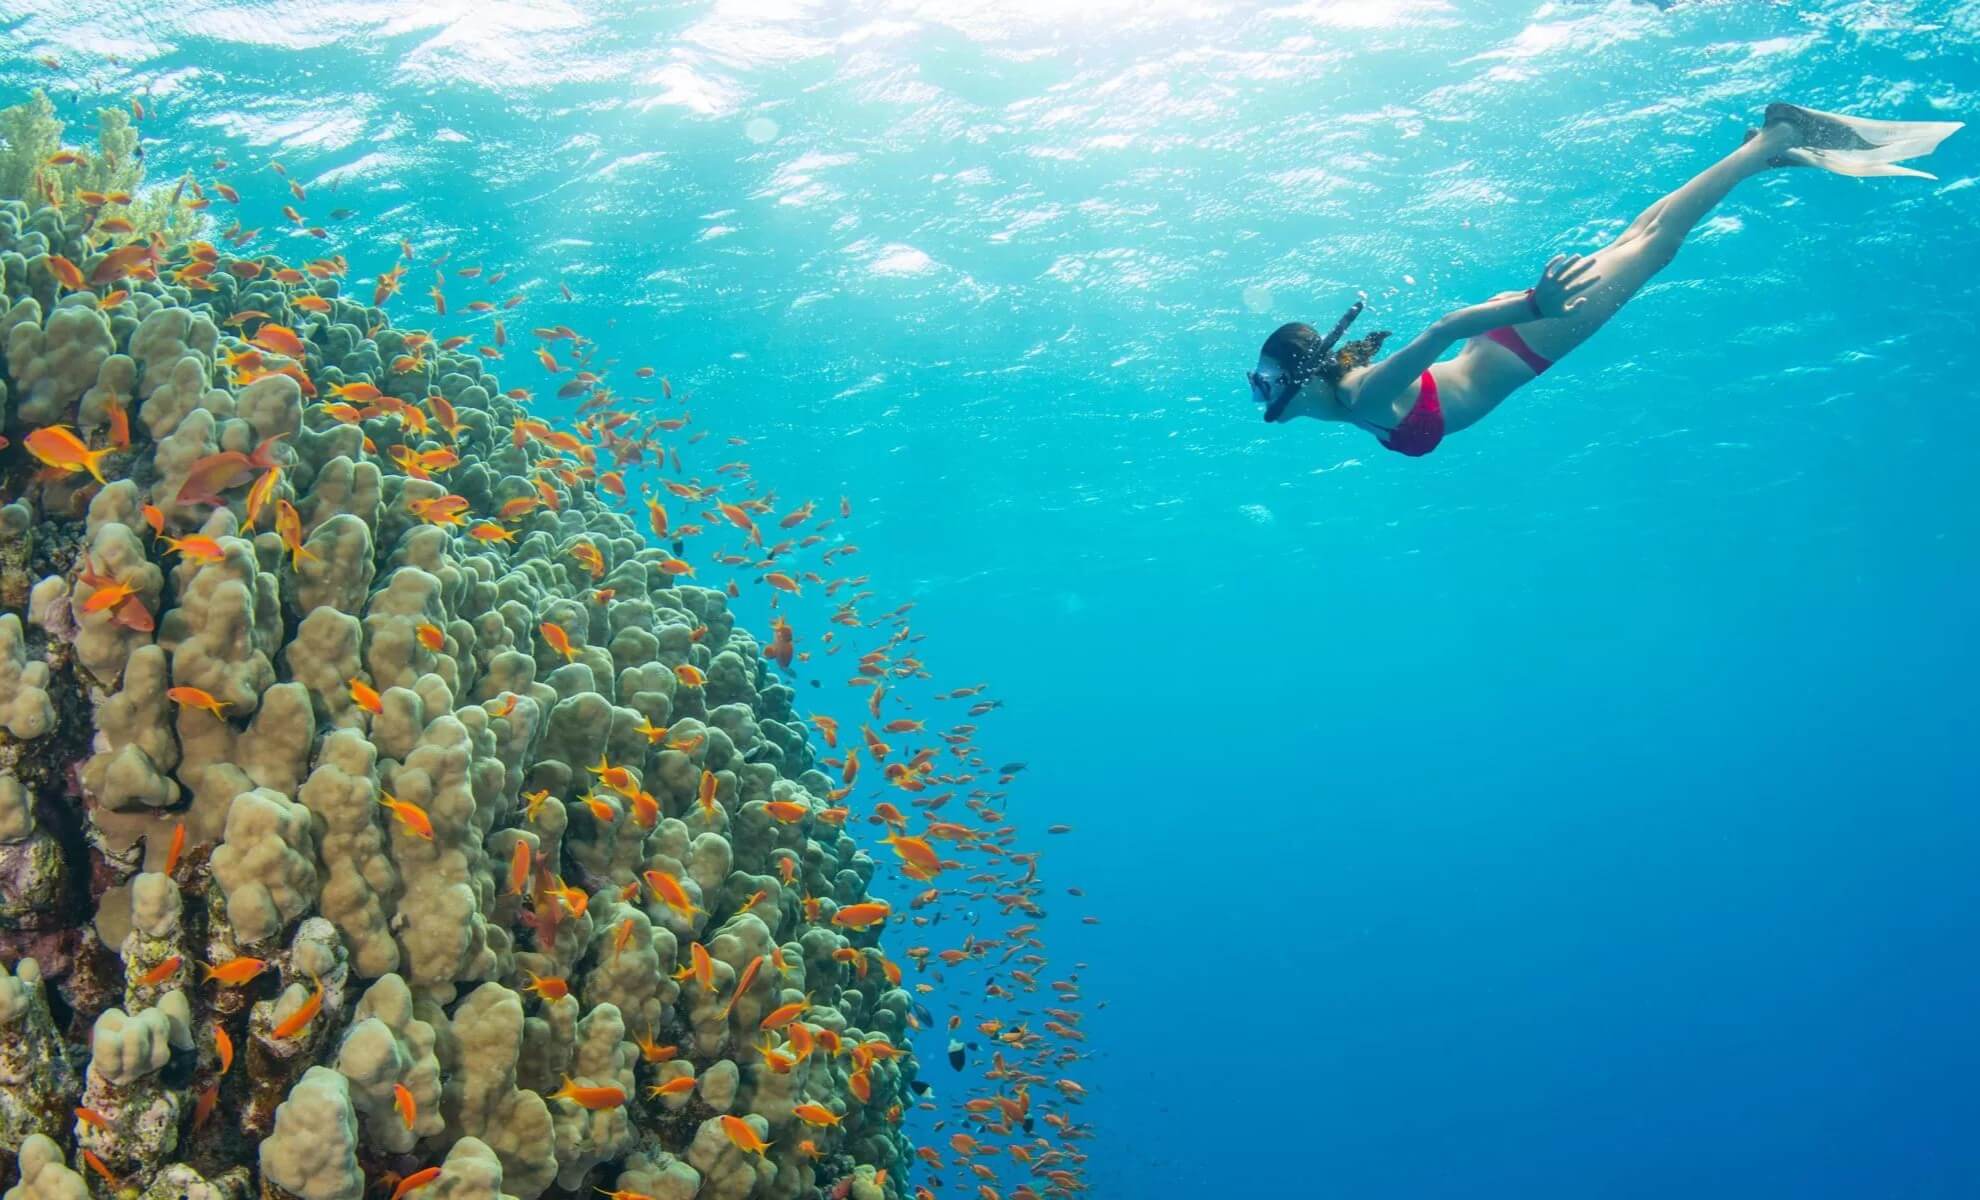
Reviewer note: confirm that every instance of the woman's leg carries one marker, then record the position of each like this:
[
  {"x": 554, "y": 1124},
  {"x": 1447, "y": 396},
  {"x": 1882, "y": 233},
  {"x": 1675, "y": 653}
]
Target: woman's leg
[{"x": 1651, "y": 241}]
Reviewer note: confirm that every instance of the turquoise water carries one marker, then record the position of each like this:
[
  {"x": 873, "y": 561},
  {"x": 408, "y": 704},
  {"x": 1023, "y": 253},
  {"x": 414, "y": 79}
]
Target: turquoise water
[{"x": 1584, "y": 810}]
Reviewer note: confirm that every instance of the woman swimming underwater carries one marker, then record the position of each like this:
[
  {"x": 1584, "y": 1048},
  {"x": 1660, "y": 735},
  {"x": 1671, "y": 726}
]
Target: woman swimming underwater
[{"x": 1410, "y": 401}]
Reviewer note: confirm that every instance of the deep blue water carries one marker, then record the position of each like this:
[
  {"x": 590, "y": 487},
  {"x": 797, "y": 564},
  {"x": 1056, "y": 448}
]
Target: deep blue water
[{"x": 1585, "y": 810}]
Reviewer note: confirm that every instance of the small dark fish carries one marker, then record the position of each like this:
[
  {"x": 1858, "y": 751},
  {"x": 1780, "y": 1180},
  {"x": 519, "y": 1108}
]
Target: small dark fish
[
  {"x": 921, "y": 1087},
  {"x": 956, "y": 1053},
  {"x": 340, "y": 214},
  {"x": 1012, "y": 768},
  {"x": 922, "y": 1014}
]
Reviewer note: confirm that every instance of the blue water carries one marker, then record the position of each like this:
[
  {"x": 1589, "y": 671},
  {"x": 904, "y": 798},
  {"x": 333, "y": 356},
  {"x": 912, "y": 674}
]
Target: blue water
[{"x": 1585, "y": 810}]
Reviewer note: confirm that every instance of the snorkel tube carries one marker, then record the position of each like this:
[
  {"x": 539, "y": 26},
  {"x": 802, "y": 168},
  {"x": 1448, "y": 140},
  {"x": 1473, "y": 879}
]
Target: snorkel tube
[{"x": 1297, "y": 374}]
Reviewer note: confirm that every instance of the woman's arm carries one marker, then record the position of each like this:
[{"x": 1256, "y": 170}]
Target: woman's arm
[
  {"x": 1561, "y": 289},
  {"x": 1375, "y": 389}
]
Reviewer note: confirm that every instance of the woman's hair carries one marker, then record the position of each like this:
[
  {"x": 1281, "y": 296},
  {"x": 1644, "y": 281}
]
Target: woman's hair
[{"x": 1306, "y": 355}]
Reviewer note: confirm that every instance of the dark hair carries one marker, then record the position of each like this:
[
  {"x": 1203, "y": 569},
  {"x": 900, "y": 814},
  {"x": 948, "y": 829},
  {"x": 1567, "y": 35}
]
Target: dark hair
[{"x": 1306, "y": 355}]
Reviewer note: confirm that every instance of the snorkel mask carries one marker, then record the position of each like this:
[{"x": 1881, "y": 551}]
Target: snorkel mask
[{"x": 1275, "y": 389}]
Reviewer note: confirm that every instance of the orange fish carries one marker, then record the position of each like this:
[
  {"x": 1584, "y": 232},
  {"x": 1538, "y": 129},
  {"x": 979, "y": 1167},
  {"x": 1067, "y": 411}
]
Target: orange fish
[
  {"x": 784, "y": 1014},
  {"x": 108, "y": 596},
  {"x": 572, "y": 898},
  {"x": 96, "y": 1165},
  {"x": 921, "y": 859},
  {"x": 259, "y": 494},
  {"x": 199, "y": 548},
  {"x": 213, "y": 475},
  {"x": 589, "y": 558},
  {"x": 432, "y": 637},
  {"x": 519, "y": 864},
  {"x": 365, "y": 696},
  {"x": 743, "y": 1135},
  {"x": 203, "y": 1107},
  {"x": 59, "y": 447},
  {"x": 178, "y": 847},
  {"x": 488, "y": 531},
  {"x": 619, "y": 779},
  {"x": 66, "y": 273},
  {"x": 121, "y": 262},
  {"x": 411, "y": 815},
  {"x": 678, "y": 1086},
  {"x": 120, "y": 423},
  {"x": 668, "y": 890},
  {"x": 862, "y": 916},
  {"x": 559, "y": 640},
  {"x": 279, "y": 339},
  {"x": 815, "y": 1114},
  {"x": 701, "y": 968},
  {"x": 789, "y": 812},
  {"x": 160, "y": 973},
  {"x": 295, "y": 1022},
  {"x": 690, "y": 676},
  {"x": 237, "y": 971},
  {"x": 91, "y": 1117},
  {"x": 402, "y": 1100},
  {"x": 288, "y": 526},
  {"x": 593, "y": 1098},
  {"x": 416, "y": 1180},
  {"x": 361, "y": 392},
  {"x": 223, "y": 1046},
  {"x": 743, "y": 981}
]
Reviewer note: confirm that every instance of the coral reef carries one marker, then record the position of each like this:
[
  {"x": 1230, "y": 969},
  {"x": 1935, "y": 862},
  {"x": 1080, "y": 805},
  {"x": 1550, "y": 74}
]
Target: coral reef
[
  {"x": 372, "y": 798},
  {"x": 36, "y": 167}
]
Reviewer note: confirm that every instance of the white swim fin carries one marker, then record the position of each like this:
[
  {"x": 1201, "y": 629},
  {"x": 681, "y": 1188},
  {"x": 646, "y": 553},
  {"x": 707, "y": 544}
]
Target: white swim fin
[{"x": 1858, "y": 145}]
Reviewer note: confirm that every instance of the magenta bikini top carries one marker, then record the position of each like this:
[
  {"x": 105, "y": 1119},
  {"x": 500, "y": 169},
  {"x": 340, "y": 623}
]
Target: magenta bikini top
[{"x": 1423, "y": 428}]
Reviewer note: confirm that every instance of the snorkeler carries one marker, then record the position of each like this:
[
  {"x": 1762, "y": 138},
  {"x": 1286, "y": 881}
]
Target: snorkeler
[{"x": 1410, "y": 400}]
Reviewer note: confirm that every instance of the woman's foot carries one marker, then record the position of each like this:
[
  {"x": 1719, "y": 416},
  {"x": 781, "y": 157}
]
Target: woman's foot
[
  {"x": 1775, "y": 141},
  {"x": 1807, "y": 137}
]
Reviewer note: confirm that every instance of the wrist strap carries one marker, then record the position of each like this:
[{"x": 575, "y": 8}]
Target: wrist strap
[{"x": 1534, "y": 304}]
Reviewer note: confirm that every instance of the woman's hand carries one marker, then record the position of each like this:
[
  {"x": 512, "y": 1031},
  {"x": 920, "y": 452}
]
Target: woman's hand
[{"x": 1564, "y": 285}]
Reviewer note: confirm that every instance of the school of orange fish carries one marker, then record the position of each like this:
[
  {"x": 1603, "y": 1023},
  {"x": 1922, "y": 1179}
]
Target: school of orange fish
[{"x": 1014, "y": 1118}]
